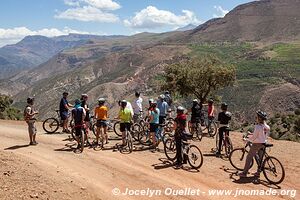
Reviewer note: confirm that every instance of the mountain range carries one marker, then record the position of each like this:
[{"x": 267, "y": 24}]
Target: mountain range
[
  {"x": 261, "y": 38},
  {"x": 34, "y": 50}
]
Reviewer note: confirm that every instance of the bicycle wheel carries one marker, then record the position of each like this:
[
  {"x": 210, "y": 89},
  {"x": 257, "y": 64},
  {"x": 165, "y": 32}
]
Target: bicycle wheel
[
  {"x": 169, "y": 126},
  {"x": 170, "y": 149},
  {"x": 144, "y": 137},
  {"x": 238, "y": 157},
  {"x": 117, "y": 129},
  {"x": 190, "y": 126},
  {"x": 198, "y": 131},
  {"x": 82, "y": 140},
  {"x": 273, "y": 170},
  {"x": 217, "y": 144},
  {"x": 94, "y": 129},
  {"x": 195, "y": 157},
  {"x": 165, "y": 137},
  {"x": 212, "y": 129},
  {"x": 135, "y": 130},
  {"x": 51, "y": 125},
  {"x": 228, "y": 147},
  {"x": 129, "y": 142},
  {"x": 73, "y": 133}
]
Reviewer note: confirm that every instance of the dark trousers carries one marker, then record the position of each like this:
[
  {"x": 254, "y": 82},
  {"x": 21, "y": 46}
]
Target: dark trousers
[
  {"x": 179, "y": 137},
  {"x": 222, "y": 130}
]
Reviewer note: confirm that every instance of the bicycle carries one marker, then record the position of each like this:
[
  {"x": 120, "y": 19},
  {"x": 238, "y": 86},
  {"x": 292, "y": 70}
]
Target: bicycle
[
  {"x": 208, "y": 126},
  {"x": 128, "y": 142},
  {"x": 160, "y": 135},
  {"x": 195, "y": 130},
  {"x": 94, "y": 125},
  {"x": 51, "y": 125},
  {"x": 83, "y": 137},
  {"x": 226, "y": 143},
  {"x": 192, "y": 152},
  {"x": 269, "y": 165}
]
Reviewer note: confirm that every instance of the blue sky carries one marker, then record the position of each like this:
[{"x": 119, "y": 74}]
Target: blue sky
[{"x": 19, "y": 18}]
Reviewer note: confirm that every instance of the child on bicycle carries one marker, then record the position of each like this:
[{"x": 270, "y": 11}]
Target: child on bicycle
[
  {"x": 258, "y": 138},
  {"x": 78, "y": 116},
  {"x": 101, "y": 115},
  {"x": 125, "y": 116},
  {"x": 180, "y": 126},
  {"x": 154, "y": 122},
  {"x": 223, "y": 118}
]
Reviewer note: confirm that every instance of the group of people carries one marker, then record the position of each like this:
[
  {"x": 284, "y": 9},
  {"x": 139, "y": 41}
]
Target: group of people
[{"x": 157, "y": 113}]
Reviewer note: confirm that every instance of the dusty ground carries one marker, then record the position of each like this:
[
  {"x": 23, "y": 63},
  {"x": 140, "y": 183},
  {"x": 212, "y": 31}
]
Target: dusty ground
[{"x": 51, "y": 170}]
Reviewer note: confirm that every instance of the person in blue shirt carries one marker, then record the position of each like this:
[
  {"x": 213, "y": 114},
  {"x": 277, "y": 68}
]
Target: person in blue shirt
[
  {"x": 162, "y": 105},
  {"x": 154, "y": 122}
]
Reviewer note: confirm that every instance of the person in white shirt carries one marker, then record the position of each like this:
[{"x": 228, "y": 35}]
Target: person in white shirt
[
  {"x": 258, "y": 139},
  {"x": 128, "y": 106},
  {"x": 137, "y": 106}
]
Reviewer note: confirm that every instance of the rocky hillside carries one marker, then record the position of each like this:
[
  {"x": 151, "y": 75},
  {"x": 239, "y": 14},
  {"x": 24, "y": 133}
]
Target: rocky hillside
[
  {"x": 34, "y": 50},
  {"x": 264, "y": 21}
]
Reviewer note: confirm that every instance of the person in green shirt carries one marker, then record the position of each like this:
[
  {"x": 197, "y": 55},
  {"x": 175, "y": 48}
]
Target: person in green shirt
[{"x": 125, "y": 116}]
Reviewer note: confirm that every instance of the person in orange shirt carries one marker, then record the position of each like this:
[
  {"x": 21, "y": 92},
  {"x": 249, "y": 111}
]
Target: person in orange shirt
[{"x": 101, "y": 115}]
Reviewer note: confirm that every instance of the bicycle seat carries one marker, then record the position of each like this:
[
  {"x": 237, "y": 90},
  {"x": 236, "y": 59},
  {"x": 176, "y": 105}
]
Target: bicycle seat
[
  {"x": 268, "y": 145},
  {"x": 56, "y": 110}
]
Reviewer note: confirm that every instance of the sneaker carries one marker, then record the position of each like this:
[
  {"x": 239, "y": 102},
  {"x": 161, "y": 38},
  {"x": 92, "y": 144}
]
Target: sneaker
[
  {"x": 30, "y": 143},
  {"x": 34, "y": 143},
  {"x": 218, "y": 154},
  {"x": 177, "y": 165},
  {"x": 242, "y": 175}
]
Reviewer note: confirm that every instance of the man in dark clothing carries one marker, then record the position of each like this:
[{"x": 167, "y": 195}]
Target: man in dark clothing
[
  {"x": 84, "y": 104},
  {"x": 180, "y": 126},
  {"x": 78, "y": 116},
  {"x": 223, "y": 118},
  {"x": 63, "y": 111},
  {"x": 196, "y": 113}
]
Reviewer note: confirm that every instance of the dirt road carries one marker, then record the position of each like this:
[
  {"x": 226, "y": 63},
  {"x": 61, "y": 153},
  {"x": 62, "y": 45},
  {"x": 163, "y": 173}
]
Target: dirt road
[{"x": 51, "y": 170}]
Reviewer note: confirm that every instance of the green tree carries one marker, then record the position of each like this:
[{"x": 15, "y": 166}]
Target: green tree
[
  {"x": 198, "y": 76},
  {"x": 6, "y": 110}
]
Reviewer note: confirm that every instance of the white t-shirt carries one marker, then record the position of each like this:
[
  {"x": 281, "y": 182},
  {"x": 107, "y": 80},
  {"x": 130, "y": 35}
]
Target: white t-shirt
[
  {"x": 137, "y": 105},
  {"x": 29, "y": 111},
  {"x": 129, "y": 106},
  {"x": 260, "y": 134}
]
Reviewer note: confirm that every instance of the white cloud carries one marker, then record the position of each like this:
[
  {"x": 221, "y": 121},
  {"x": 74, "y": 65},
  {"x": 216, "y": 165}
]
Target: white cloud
[
  {"x": 72, "y": 2},
  {"x": 153, "y": 18},
  {"x": 103, "y": 4},
  {"x": 14, "y": 35},
  {"x": 86, "y": 14},
  {"x": 221, "y": 12},
  {"x": 90, "y": 10}
]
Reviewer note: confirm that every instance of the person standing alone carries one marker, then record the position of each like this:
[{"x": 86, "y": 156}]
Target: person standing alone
[{"x": 29, "y": 116}]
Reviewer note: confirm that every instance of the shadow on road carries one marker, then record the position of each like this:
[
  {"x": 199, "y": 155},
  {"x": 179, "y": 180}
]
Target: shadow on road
[
  {"x": 233, "y": 175},
  {"x": 17, "y": 147}
]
